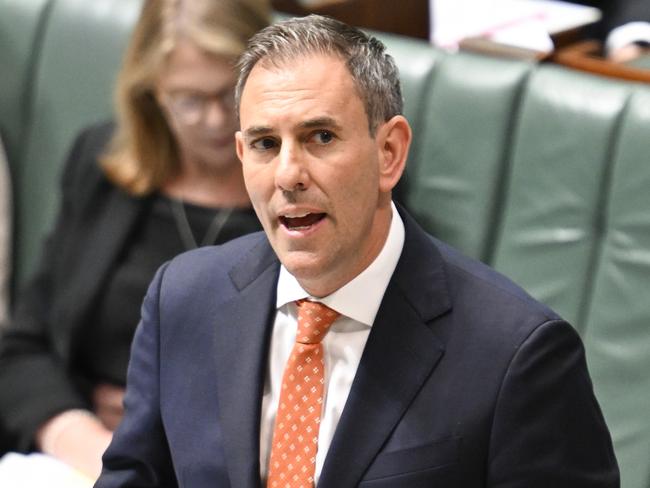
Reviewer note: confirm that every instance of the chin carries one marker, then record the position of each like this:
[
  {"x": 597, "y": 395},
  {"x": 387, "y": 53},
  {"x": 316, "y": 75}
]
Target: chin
[
  {"x": 218, "y": 158},
  {"x": 310, "y": 270},
  {"x": 302, "y": 264}
]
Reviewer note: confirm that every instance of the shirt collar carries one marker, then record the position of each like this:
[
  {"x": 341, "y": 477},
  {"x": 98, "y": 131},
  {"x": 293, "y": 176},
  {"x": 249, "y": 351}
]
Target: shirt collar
[{"x": 360, "y": 298}]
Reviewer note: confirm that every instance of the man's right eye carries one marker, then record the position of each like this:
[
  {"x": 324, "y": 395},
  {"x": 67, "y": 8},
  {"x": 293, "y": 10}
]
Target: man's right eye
[{"x": 263, "y": 144}]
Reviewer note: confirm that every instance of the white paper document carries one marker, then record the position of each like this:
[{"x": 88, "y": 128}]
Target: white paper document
[
  {"x": 524, "y": 23},
  {"x": 39, "y": 471}
]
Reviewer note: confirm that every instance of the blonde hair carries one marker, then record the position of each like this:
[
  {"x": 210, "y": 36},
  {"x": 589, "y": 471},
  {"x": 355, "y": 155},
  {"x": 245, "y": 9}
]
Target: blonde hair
[{"x": 143, "y": 153}]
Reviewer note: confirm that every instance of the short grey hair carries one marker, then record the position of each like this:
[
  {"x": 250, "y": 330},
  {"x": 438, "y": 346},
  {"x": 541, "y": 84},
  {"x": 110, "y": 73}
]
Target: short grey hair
[{"x": 373, "y": 71}]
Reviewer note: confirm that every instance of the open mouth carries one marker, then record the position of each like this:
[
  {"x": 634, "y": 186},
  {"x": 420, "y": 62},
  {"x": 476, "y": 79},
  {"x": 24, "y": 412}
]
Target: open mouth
[{"x": 301, "y": 222}]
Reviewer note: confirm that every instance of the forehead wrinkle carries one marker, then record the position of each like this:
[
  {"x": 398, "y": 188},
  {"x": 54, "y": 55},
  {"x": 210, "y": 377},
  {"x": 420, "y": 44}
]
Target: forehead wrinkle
[
  {"x": 289, "y": 95},
  {"x": 273, "y": 97}
]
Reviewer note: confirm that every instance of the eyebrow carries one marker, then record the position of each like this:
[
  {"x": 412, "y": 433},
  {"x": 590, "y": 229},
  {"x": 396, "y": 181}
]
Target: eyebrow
[
  {"x": 320, "y": 122},
  {"x": 261, "y": 130},
  {"x": 256, "y": 131}
]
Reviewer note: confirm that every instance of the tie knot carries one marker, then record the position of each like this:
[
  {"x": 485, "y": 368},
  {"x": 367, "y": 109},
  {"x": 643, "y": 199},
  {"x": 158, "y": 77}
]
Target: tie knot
[{"x": 314, "y": 320}]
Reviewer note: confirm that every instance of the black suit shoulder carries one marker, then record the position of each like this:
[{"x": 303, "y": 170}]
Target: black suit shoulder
[
  {"x": 82, "y": 175},
  {"x": 233, "y": 264},
  {"x": 492, "y": 311},
  {"x": 486, "y": 280},
  {"x": 223, "y": 256}
]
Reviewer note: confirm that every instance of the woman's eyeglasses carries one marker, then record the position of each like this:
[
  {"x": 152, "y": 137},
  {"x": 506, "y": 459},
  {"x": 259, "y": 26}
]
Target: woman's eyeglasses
[{"x": 191, "y": 107}]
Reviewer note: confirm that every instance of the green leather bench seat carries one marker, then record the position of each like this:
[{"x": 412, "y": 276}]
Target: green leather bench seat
[
  {"x": 82, "y": 47},
  {"x": 22, "y": 24},
  {"x": 560, "y": 159},
  {"x": 538, "y": 170},
  {"x": 416, "y": 63},
  {"x": 617, "y": 336},
  {"x": 461, "y": 155}
]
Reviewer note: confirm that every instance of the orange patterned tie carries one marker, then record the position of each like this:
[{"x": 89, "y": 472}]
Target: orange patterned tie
[{"x": 295, "y": 437}]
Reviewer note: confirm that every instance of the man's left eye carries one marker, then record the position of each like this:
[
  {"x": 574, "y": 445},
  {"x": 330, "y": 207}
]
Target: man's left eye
[{"x": 323, "y": 137}]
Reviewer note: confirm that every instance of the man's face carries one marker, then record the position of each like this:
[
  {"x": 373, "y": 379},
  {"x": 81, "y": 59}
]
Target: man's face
[{"x": 312, "y": 170}]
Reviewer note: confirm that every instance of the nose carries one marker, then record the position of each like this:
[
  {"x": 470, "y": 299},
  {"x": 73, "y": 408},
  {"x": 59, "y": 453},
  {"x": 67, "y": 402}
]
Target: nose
[{"x": 291, "y": 173}]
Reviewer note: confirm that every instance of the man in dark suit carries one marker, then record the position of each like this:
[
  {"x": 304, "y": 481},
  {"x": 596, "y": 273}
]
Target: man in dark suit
[
  {"x": 624, "y": 27},
  {"x": 438, "y": 372}
]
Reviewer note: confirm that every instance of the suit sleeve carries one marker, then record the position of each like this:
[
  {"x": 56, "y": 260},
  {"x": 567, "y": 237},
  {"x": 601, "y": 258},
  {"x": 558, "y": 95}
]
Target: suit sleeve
[
  {"x": 34, "y": 381},
  {"x": 548, "y": 428},
  {"x": 138, "y": 454}
]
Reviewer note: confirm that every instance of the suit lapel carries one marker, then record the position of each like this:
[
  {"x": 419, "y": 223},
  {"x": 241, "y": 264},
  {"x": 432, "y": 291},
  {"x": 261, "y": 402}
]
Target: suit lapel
[
  {"x": 399, "y": 356},
  {"x": 241, "y": 357}
]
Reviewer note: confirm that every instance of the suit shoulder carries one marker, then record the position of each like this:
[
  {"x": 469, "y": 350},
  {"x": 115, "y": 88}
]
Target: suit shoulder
[
  {"x": 85, "y": 150},
  {"x": 212, "y": 271},
  {"x": 217, "y": 259},
  {"x": 82, "y": 177},
  {"x": 490, "y": 313},
  {"x": 470, "y": 276}
]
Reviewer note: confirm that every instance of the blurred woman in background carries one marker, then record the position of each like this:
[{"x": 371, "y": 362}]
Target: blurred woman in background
[{"x": 162, "y": 179}]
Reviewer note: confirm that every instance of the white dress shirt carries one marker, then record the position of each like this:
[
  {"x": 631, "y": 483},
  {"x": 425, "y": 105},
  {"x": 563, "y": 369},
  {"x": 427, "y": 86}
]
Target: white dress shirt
[
  {"x": 627, "y": 34},
  {"x": 358, "y": 302}
]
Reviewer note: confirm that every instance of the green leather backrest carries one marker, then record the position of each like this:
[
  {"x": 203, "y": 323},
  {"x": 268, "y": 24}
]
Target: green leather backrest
[
  {"x": 82, "y": 49},
  {"x": 617, "y": 337},
  {"x": 416, "y": 61},
  {"x": 561, "y": 152},
  {"x": 463, "y": 148},
  {"x": 21, "y": 27}
]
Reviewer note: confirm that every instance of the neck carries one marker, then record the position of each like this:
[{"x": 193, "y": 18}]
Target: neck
[
  {"x": 325, "y": 283},
  {"x": 209, "y": 187}
]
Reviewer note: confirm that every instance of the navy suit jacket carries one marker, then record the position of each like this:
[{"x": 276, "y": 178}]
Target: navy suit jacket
[{"x": 465, "y": 381}]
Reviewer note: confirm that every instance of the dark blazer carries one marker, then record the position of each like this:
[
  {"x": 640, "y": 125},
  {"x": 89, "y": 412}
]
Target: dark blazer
[
  {"x": 37, "y": 377},
  {"x": 465, "y": 381},
  {"x": 617, "y": 13}
]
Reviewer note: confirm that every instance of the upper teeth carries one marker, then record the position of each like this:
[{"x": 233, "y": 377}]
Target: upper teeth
[{"x": 295, "y": 216}]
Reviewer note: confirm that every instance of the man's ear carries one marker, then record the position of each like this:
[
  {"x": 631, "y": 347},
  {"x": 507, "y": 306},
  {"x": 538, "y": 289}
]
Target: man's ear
[
  {"x": 239, "y": 145},
  {"x": 393, "y": 139}
]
